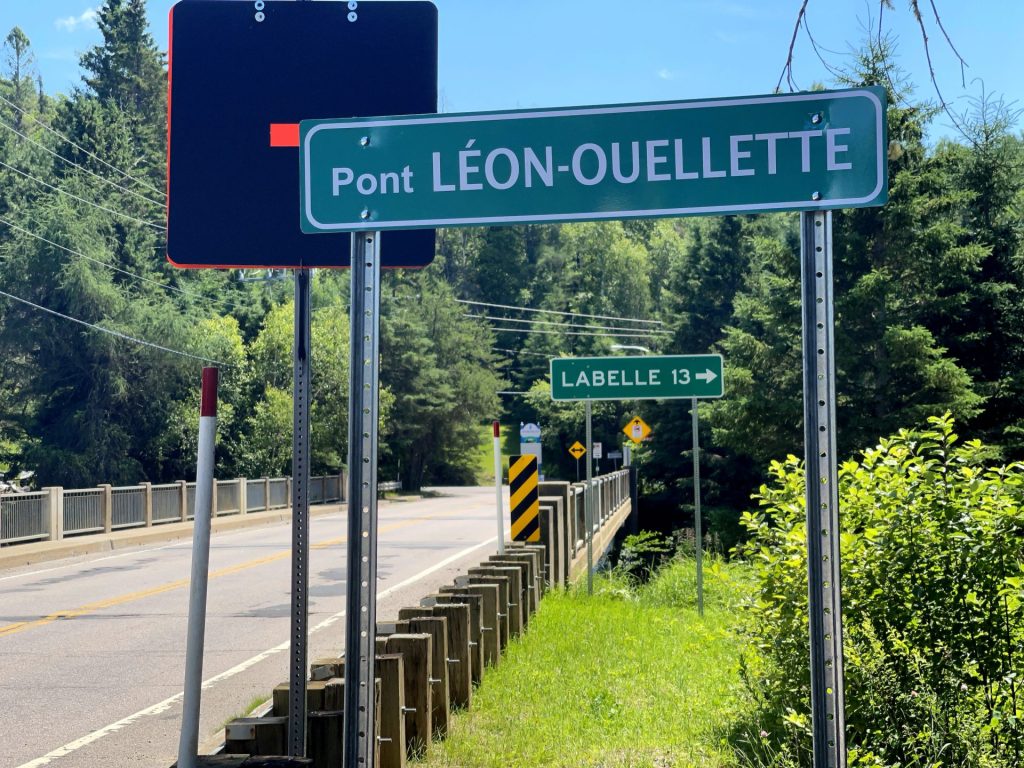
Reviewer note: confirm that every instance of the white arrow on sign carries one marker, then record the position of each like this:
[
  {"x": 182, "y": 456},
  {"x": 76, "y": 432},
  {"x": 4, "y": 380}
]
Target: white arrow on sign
[{"x": 707, "y": 376}]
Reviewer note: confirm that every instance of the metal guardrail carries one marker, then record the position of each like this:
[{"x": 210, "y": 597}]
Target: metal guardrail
[
  {"x": 23, "y": 517},
  {"x": 390, "y": 485},
  {"x": 54, "y": 513},
  {"x": 83, "y": 511},
  {"x": 166, "y": 503}
]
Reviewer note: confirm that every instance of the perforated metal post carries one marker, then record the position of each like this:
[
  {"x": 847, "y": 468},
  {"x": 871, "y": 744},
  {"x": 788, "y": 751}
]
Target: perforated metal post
[
  {"x": 588, "y": 507},
  {"x": 825, "y": 608},
  {"x": 360, "y": 627},
  {"x": 300, "y": 517},
  {"x": 698, "y": 531}
]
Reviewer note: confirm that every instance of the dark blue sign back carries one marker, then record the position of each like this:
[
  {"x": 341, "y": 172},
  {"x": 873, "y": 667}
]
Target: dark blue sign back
[{"x": 233, "y": 199}]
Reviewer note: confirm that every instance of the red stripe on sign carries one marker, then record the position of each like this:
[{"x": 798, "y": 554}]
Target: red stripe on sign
[
  {"x": 284, "y": 134},
  {"x": 208, "y": 403}
]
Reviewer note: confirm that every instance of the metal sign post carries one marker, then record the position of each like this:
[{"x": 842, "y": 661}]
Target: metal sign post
[
  {"x": 698, "y": 533},
  {"x": 822, "y": 492},
  {"x": 588, "y": 507},
  {"x": 360, "y": 629},
  {"x": 300, "y": 517}
]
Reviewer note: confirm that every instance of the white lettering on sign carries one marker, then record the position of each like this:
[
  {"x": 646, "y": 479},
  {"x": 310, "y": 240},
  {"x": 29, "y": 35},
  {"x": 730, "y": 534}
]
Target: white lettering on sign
[
  {"x": 736, "y": 154},
  {"x": 831, "y": 148},
  {"x": 472, "y": 169},
  {"x": 654, "y": 160},
  {"x": 545, "y": 171},
  {"x": 465, "y": 169},
  {"x": 615, "y": 377},
  {"x": 617, "y": 164},
  {"x": 368, "y": 183}
]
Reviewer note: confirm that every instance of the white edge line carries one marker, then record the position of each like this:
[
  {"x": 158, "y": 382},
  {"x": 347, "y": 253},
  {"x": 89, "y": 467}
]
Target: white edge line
[{"x": 167, "y": 703}]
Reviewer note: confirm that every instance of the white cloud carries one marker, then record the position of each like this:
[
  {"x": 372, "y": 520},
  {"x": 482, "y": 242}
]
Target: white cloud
[
  {"x": 666, "y": 74},
  {"x": 86, "y": 19}
]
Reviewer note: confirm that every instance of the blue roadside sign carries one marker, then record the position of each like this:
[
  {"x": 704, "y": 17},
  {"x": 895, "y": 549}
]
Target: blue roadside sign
[{"x": 241, "y": 79}]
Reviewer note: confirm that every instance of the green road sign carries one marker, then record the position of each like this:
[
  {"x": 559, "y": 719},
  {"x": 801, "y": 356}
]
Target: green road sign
[
  {"x": 636, "y": 378},
  {"x": 761, "y": 153}
]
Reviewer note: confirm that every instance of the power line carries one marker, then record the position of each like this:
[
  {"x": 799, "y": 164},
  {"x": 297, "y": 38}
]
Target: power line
[
  {"x": 521, "y": 352},
  {"x": 104, "y": 179},
  {"x": 133, "y": 275},
  {"x": 118, "y": 334},
  {"x": 57, "y": 133},
  {"x": 570, "y": 327},
  {"x": 557, "y": 312},
  {"x": 82, "y": 199},
  {"x": 573, "y": 333}
]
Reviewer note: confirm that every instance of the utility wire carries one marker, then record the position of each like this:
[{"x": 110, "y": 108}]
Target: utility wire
[
  {"x": 568, "y": 326},
  {"x": 57, "y": 133},
  {"x": 521, "y": 352},
  {"x": 573, "y": 333},
  {"x": 118, "y": 334},
  {"x": 82, "y": 199},
  {"x": 104, "y": 179},
  {"x": 133, "y": 275},
  {"x": 557, "y": 312}
]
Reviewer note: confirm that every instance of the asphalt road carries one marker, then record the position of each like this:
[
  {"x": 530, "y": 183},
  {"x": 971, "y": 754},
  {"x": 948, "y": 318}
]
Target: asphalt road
[{"x": 92, "y": 649}]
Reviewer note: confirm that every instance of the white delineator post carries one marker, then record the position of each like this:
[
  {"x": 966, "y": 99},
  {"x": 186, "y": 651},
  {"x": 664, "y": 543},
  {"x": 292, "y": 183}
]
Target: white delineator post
[
  {"x": 188, "y": 744},
  {"x": 497, "y": 488}
]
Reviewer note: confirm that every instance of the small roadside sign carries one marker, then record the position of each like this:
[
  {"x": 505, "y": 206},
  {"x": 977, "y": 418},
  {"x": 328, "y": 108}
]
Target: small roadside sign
[
  {"x": 576, "y": 450},
  {"x": 637, "y": 430},
  {"x": 598, "y": 451},
  {"x": 651, "y": 377},
  {"x": 614, "y": 454}
]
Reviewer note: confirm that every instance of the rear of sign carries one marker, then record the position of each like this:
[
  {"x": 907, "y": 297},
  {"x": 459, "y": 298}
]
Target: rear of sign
[{"x": 240, "y": 82}]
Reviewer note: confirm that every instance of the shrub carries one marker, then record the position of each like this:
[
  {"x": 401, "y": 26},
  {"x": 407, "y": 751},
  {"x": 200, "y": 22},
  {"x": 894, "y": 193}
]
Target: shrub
[{"x": 933, "y": 589}]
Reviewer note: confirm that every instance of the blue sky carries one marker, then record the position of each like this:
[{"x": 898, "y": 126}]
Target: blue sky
[{"x": 497, "y": 54}]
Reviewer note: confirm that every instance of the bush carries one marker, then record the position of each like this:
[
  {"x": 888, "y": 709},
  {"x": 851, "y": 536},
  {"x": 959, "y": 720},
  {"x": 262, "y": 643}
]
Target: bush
[{"x": 933, "y": 589}]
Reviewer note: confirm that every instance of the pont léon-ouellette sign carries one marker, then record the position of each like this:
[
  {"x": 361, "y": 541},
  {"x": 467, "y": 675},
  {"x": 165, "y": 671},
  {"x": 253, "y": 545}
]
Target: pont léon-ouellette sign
[
  {"x": 653, "y": 377},
  {"x": 802, "y": 151}
]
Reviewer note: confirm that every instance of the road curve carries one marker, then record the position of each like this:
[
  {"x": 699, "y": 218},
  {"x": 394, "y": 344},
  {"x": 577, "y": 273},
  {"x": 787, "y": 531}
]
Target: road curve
[{"x": 92, "y": 649}]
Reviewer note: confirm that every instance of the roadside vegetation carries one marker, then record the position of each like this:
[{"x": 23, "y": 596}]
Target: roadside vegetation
[
  {"x": 629, "y": 677},
  {"x": 933, "y": 604}
]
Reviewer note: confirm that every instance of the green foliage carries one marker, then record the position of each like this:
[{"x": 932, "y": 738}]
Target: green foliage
[
  {"x": 643, "y": 553},
  {"x": 933, "y": 600}
]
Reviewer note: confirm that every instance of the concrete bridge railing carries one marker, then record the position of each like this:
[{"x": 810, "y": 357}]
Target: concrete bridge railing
[
  {"x": 55, "y": 513},
  {"x": 563, "y": 527}
]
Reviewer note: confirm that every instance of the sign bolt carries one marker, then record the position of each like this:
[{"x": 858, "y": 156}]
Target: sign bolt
[
  {"x": 816, "y": 118},
  {"x": 816, "y": 196},
  {"x": 364, "y": 141},
  {"x": 353, "y": 16},
  {"x": 364, "y": 214}
]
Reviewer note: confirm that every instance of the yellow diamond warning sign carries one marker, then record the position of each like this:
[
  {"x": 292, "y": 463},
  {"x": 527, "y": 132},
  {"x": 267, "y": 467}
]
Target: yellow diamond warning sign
[
  {"x": 577, "y": 450},
  {"x": 637, "y": 430}
]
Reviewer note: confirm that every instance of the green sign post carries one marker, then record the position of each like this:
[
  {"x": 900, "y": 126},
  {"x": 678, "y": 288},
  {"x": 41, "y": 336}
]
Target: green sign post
[
  {"x": 661, "y": 377},
  {"x": 805, "y": 151}
]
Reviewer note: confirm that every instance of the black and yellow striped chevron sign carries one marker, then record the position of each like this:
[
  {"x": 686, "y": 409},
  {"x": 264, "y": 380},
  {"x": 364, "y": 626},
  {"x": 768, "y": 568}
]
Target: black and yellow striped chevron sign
[{"x": 525, "y": 507}]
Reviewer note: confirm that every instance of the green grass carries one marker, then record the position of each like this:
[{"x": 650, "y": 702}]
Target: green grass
[{"x": 624, "y": 678}]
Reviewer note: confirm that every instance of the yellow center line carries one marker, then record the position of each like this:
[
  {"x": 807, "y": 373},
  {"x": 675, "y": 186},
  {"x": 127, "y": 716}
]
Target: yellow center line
[{"x": 110, "y": 602}]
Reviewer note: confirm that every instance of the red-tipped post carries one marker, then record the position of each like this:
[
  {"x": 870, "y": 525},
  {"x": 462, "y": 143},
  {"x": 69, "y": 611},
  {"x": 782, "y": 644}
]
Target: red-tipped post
[{"x": 188, "y": 744}]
